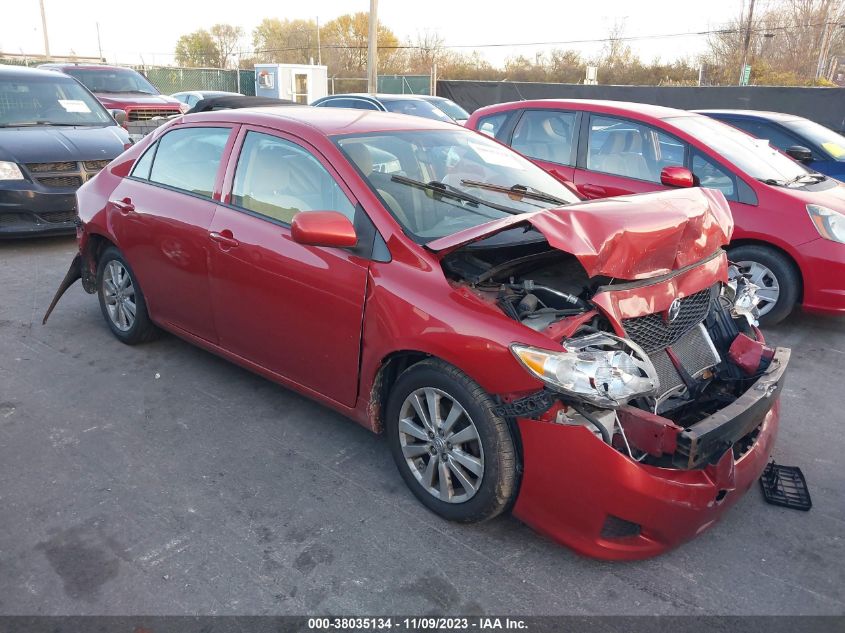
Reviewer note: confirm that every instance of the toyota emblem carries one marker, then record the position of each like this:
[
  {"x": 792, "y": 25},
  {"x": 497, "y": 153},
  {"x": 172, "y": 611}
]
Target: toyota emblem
[{"x": 674, "y": 311}]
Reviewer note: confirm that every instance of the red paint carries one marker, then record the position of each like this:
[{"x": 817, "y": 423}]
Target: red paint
[
  {"x": 779, "y": 218},
  {"x": 749, "y": 354},
  {"x": 611, "y": 238},
  {"x": 649, "y": 432},
  {"x": 324, "y": 321},
  {"x": 323, "y": 228},
  {"x": 675, "y": 176},
  {"x": 569, "y": 499}
]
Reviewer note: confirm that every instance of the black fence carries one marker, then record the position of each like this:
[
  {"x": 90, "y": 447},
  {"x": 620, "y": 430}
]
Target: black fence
[{"x": 823, "y": 105}]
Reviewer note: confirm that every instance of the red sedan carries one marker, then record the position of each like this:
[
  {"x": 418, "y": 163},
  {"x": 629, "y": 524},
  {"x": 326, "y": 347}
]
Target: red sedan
[
  {"x": 790, "y": 229},
  {"x": 586, "y": 364}
]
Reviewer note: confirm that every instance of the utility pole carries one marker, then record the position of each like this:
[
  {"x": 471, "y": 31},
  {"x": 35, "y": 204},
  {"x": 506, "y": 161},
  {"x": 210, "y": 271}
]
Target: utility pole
[
  {"x": 99, "y": 44},
  {"x": 747, "y": 43},
  {"x": 44, "y": 30},
  {"x": 319, "y": 56},
  {"x": 372, "y": 50},
  {"x": 824, "y": 47}
]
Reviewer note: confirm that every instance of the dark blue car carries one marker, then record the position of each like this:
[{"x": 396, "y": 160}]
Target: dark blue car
[{"x": 818, "y": 147}]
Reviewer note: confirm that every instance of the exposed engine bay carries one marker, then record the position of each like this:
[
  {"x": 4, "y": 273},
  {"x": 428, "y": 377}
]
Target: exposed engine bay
[{"x": 631, "y": 380}]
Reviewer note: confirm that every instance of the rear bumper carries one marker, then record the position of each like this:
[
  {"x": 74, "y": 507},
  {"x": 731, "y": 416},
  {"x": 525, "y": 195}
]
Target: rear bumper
[
  {"x": 574, "y": 486},
  {"x": 28, "y": 212},
  {"x": 824, "y": 276}
]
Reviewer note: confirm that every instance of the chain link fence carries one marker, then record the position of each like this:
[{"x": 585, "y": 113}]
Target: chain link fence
[{"x": 170, "y": 79}]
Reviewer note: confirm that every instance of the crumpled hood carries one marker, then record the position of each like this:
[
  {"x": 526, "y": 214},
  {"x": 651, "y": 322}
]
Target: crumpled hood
[
  {"x": 629, "y": 237},
  {"x": 46, "y": 144}
]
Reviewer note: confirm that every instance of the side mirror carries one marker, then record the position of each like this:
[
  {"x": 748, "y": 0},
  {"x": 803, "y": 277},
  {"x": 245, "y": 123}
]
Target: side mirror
[
  {"x": 119, "y": 116},
  {"x": 676, "y": 176},
  {"x": 323, "y": 228},
  {"x": 800, "y": 153}
]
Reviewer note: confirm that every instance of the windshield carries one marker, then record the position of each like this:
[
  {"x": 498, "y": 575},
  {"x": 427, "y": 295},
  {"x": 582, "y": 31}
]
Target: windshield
[
  {"x": 827, "y": 139},
  {"x": 429, "y": 179},
  {"x": 452, "y": 109},
  {"x": 107, "y": 80},
  {"x": 416, "y": 107},
  {"x": 53, "y": 100},
  {"x": 754, "y": 156}
]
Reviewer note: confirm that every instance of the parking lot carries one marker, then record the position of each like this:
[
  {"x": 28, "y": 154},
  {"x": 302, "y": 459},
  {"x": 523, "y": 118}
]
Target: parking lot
[{"x": 161, "y": 479}]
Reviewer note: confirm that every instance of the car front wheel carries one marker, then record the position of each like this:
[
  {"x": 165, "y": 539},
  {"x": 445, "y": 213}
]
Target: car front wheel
[
  {"x": 122, "y": 301},
  {"x": 454, "y": 453}
]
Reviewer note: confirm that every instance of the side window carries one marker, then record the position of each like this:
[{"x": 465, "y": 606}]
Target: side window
[
  {"x": 278, "y": 179},
  {"x": 545, "y": 135},
  {"x": 361, "y": 104},
  {"x": 632, "y": 150},
  {"x": 336, "y": 103},
  {"x": 189, "y": 158},
  {"x": 192, "y": 100},
  {"x": 490, "y": 125},
  {"x": 780, "y": 139},
  {"x": 143, "y": 164},
  {"x": 713, "y": 176}
]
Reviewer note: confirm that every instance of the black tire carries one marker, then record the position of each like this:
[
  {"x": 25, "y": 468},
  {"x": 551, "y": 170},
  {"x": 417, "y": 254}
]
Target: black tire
[
  {"x": 142, "y": 329},
  {"x": 498, "y": 483},
  {"x": 788, "y": 278}
]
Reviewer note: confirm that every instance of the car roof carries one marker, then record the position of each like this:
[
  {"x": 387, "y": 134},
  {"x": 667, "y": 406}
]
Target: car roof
[
  {"x": 84, "y": 66},
  {"x": 753, "y": 114},
  {"x": 23, "y": 71},
  {"x": 604, "y": 105},
  {"x": 378, "y": 96},
  {"x": 325, "y": 121}
]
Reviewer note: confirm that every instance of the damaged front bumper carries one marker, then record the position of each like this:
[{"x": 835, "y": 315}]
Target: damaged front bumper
[{"x": 585, "y": 494}]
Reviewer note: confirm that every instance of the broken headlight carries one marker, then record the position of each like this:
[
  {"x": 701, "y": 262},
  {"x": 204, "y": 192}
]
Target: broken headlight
[
  {"x": 599, "y": 368},
  {"x": 741, "y": 293}
]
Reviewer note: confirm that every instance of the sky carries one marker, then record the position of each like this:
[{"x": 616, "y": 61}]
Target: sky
[{"x": 130, "y": 35}]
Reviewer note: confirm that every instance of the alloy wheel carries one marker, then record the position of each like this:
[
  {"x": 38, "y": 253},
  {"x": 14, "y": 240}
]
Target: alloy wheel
[
  {"x": 441, "y": 445},
  {"x": 119, "y": 295}
]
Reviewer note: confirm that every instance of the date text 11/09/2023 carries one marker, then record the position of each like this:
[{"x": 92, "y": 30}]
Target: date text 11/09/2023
[{"x": 415, "y": 624}]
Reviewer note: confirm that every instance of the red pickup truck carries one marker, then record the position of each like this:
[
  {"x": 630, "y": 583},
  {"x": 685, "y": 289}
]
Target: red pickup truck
[{"x": 119, "y": 88}]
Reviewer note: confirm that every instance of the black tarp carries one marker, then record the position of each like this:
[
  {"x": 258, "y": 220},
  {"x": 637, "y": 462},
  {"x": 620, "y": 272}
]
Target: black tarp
[{"x": 823, "y": 105}]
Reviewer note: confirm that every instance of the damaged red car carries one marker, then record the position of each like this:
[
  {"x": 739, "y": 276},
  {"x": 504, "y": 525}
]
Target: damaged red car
[{"x": 585, "y": 365}]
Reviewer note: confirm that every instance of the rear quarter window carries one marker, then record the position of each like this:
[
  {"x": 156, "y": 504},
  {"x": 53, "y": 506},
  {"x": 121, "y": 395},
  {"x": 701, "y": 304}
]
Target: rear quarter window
[{"x": 491, "y": 124}]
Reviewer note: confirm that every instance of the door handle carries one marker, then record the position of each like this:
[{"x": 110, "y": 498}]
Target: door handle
[
  {"x": 224, "y": 238},
  {"x": 593, "y": 190},
  {"x": 125, "y": 206}
]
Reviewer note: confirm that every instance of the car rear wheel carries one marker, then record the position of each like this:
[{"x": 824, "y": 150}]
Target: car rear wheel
[
  {"x": 775, "y": 276},
  {"x": 122, "y": 301},
  {"x": 454, "y": 453}
]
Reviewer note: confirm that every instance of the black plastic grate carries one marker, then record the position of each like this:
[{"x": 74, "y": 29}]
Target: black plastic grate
[
  {"x": 653, "y": 333},
  {"x": 95, "y": 165},
  {"x": 39, "y": 168},
  {"x": 785, "y": 486},
  {"x": 60, "y": 181},
  {"x": 614, "y": 527}
]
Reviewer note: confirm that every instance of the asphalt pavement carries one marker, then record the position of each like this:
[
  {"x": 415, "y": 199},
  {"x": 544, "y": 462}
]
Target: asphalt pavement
[{"x": 161, "y": 479}]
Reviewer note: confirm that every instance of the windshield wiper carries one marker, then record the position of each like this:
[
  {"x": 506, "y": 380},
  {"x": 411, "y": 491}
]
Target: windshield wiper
[
  {"x": 520, "y": 190},
  {"x": 32, "y": 123},
  {"x": 442, "y": 189}
]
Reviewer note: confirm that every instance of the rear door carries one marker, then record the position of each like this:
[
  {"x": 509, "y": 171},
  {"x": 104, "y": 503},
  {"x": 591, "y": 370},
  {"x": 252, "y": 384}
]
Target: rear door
[
  {"x": 294, "y": 310},
  {"x": 547, "y": 137},
  {"x": 619, "y": 156},
  {"x": 161, "y": 216}
]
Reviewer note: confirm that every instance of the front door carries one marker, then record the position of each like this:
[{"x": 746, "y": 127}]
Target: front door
[
  {"x": 621, "y": 157},
  {"x": 295, "y": 310}
]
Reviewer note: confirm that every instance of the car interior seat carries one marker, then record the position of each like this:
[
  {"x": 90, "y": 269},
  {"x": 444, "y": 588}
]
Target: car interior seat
[
  {"x": 363, "y": 159},
  {"x": 621, "y": 154}
]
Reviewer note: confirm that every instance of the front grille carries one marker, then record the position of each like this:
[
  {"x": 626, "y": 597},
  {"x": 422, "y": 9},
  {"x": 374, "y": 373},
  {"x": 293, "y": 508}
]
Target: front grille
[
  {"x": 95, "y": 165},
  {"x": 58, "y": 217},
  {"x": 145, "y": 114},
  {"x": 60, "y": 181},
  {"x": 38, "y": 168},
  {"x": 653, "y": 333},
  {"x": 7, "y": 219}
]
